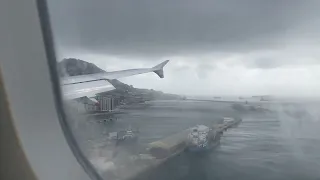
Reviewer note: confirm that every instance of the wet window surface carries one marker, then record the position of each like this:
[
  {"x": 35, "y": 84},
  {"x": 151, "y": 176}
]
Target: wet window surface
[{"x": 238, "y": 98}]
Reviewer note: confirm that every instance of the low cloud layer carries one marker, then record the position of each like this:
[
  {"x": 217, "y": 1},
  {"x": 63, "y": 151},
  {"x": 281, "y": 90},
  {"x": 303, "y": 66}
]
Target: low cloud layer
[{"x": 216, "y": 47}]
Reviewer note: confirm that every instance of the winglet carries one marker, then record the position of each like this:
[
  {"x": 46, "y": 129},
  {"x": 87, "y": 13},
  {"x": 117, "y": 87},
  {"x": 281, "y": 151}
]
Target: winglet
[{"x": 158, "y": 69}]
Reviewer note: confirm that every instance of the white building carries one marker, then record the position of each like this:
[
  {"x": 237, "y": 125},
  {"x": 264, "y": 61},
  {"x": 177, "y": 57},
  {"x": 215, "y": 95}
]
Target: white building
[
  {"x": 106, "y": 103},
  {"x": 85, "y": 105}
]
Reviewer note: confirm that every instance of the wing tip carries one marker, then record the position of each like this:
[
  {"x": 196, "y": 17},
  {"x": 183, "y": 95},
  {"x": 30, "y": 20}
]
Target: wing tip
[{"x": 158, "y": 69}]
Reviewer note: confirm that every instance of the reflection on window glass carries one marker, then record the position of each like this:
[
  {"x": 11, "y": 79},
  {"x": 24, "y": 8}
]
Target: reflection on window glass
[{"x": 238, "y": 98}]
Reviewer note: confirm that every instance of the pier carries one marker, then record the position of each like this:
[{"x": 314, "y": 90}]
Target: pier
[{"x": 157, "y": 153}]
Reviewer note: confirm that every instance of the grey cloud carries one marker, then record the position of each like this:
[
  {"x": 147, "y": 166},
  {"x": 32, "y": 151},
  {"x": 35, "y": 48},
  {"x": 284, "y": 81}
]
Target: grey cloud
[
  {"x": 203, "y": 70},
  {"x": 282, "y": 58},
  {"x": 266, "y": 63},
  {"x": 183, "y": 27}
]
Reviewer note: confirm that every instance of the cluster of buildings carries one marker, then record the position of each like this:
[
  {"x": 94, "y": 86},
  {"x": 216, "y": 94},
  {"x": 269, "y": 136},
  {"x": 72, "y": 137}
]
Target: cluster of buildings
[{"x": 107, "y": 101}]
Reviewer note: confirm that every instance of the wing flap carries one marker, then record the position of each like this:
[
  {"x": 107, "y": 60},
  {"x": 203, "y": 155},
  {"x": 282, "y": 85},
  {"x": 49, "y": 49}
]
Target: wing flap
[{"x": 89, "y": 89}]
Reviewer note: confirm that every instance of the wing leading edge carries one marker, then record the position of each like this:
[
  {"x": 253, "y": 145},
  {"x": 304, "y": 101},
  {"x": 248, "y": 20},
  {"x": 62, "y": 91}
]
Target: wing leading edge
[{"x": 88, "y": 85}]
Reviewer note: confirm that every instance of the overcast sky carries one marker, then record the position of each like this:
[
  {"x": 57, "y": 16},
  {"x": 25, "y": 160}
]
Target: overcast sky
[{"x": 216, "y": 47}]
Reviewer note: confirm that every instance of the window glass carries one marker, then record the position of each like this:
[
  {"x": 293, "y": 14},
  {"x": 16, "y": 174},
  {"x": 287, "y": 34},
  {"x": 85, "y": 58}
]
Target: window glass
[{"x": 238, "y": 98}]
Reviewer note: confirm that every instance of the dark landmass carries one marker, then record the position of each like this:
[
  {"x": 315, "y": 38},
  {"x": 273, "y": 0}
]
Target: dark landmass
[{"x": 74, "y": 67}]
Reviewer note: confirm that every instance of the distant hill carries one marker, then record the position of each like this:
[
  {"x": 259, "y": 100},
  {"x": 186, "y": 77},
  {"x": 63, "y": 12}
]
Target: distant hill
[{"x": 74, "y": 67}]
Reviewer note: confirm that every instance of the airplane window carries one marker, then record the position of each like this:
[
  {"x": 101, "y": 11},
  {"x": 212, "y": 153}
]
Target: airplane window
[{"x": 191, "y": 89}]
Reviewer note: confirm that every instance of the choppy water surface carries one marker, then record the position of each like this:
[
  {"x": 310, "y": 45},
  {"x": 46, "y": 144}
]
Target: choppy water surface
[{"x": 282, "y": 144}]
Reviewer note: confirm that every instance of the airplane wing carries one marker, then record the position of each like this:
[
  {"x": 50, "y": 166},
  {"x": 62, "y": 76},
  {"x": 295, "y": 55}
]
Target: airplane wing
[{"x": 88, "y": 85}]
